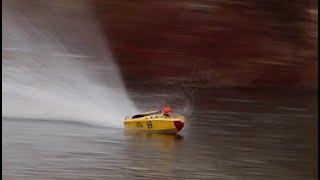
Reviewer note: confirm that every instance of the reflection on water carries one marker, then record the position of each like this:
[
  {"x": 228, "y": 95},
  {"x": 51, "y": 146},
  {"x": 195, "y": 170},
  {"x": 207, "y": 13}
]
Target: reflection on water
[
  {"x": 160, "y": 137},
  {"x": 224, "y": 138}
]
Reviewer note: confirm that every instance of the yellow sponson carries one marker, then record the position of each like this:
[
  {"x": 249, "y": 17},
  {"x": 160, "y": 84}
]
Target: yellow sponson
[{"x": 155, "y": 122}]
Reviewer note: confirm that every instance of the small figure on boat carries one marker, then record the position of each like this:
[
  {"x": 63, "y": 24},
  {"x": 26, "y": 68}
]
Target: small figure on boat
[{"x": 166, "y": 110}]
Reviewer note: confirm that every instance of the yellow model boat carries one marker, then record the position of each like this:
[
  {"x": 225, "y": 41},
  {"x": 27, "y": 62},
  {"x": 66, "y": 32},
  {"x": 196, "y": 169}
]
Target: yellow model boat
[{"x": 155, "y": 122}]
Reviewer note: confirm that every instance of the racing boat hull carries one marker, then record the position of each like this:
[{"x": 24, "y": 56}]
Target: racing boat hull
[{"x": 156, "y": 124}]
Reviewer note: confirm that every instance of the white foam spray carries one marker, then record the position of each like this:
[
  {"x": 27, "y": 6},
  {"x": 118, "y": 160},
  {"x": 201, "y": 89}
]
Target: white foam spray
[{"x": 56, "y": 65}]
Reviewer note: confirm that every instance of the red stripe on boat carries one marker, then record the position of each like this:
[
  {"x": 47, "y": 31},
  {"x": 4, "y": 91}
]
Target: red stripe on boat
[{"x": 178, "y": 124}]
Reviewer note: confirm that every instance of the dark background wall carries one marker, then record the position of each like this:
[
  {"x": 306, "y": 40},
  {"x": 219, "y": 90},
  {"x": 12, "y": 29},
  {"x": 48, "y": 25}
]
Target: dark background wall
[{"x": 214, "y": 43}]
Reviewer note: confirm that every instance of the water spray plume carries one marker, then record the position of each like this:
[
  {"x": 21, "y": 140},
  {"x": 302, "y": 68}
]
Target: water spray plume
[{"x": 56, "y": 66}]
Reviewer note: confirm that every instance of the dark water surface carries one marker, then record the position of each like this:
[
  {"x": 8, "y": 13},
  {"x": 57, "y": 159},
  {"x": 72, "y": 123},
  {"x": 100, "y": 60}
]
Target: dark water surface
[{"x": 229, "y": 135}]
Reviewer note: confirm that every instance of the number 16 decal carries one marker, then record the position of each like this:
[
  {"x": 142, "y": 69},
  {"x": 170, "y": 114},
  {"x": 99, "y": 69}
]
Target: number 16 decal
[{"x": 149, "y": 124}]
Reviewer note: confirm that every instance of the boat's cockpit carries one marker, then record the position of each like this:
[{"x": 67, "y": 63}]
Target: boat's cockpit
[{"x": 146, "y": 114}]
